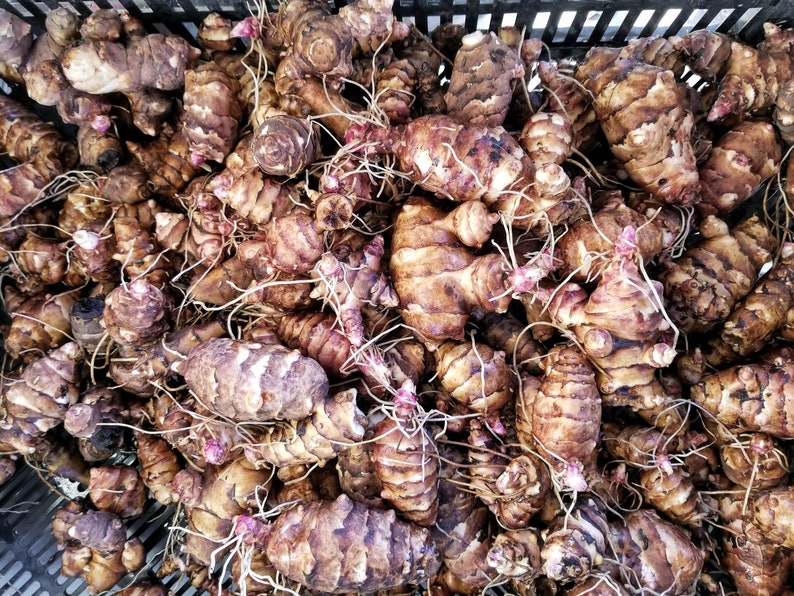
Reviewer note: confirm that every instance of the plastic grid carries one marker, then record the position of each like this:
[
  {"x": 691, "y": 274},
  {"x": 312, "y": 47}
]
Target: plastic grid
[{"x": 563, "y": 24}]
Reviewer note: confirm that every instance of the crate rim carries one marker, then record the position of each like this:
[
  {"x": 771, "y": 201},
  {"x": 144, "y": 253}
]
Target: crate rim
[{"x": 568, "y": 24}]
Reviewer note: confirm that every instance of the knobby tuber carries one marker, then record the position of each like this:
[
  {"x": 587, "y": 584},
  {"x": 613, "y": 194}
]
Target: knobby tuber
[
  {"x": 305, "y": 544},
  {"x": 566, "y": 416},
  {"x": 646, "y": 122},
  {"x": 247, "y": 381},
  {"x": 439, "y": 281},
  {"x": 405, "y": 461},
  {"x": 699, "y": 292},
  {"x": 95, "y": 546},
  {"x": 626, "y": 344}
]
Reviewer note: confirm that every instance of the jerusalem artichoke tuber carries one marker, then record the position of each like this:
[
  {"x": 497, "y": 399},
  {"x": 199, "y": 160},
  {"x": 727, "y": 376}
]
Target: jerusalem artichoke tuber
[
  {"x": 392, "y": 553},
  {"x": 247, "y": 381}
]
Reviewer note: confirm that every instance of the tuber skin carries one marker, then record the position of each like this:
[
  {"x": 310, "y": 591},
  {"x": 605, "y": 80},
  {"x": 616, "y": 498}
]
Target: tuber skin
[
  {"x": 406, "y": 461},
  {"x": 247, "y": 381},
  {"x": 547, "y": 137},
  {"x": 320, "y": 48},
  {"x": 58, "y": 455},
  {"x": 347, "y": 284},
  {"x": 506, "y": 333},
  {"x": 220, "y": 284},
  {"x": 661, "y": 555},
  {"x": 128, "y": 184},
  {"x": 212, "y": 499},
  {"x": 245, "y": 188},
  {"x": 316, "y": 336},
  {"x": 416, "y": 53},
  {"x": 282, "y": 292},
  {"x": 95, "y": 546},
  {"x": 137, "y": 251},
  {"x": 118, "y": 489},
  {"x": 700, "y": 294},
  {"x": 576, "y": 543},
  {"x": 462, "y": 530},
  {"x": 285, "y": 145},
  {"x": 193, "y": 430},
  {"x": 168, "y": 164},
  {"x": 645, "y": 121},
  {"x": 740, "y": 162},
  {"x": 291, "y": 244},
  {"x": 644, "y": 446},
  {"x": 39, "y": 324},
  {"x": 333, "y": 426},
  {"x": 96, "y": 420},
  {"x": 673, "y": 493},
  {"x": 751, "y": 81},
  {"x": 706, "y": 52},
  {"x": 100, "y": 150},
  {"x": 658, "y": 51},
  {"x": 16, "y": 39},
  {"x": 375, "y": 552},
  {"x": 783, "y": 114},
  {"x": 37, "y": 400},
  {"x": 516, "y": 554},
  {"x": 513, "y": 488},
  {"x": 566, "y": 416},
  {"x": 153, "y": 363},
  {"x": 102, "y": 24},
  {"x": 626, "y": 344},
  {"x": 8, "y": 467},
  {"x": 155, "y": 60},
  {"x": 582, "y": 253},
  {"x": 215, "y": 33},
  {"x": 85, "y": 318},
  {"x": 454, "y": 161},
  {"x": 475, "y": 375},
  {"x": 756, "y": 463},
  {"x": 212, "y": 112},
  {"x": 158, "y": 466},
  {"x": 454, "y": 282},
  {"x": 481, "y": 83},
  {"x": 394, "y": 89},
  {"x": 756, "y": 564},
  {"x": 41, "y": 261},
  {"x": 749, "y": 397},
  {"x": 756, "y": 567},
  {"x": 763, "y": 311},
  {"x": 39, "y": 148},
  {"x": 568, "y": 99},
  {"x": 136, "y": 315},
  {"x": 355, "y": 469}
]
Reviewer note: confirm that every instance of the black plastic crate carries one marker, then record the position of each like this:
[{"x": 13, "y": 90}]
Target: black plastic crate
[
  {"x": 561, "y": 24},
  {"x": 29, "y": 560}
]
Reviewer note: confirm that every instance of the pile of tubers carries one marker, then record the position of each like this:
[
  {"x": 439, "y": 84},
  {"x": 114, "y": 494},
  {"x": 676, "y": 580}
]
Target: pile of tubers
[{"x": 377, "y": 314}]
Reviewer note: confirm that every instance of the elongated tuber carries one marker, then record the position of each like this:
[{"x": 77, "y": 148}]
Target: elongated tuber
[
  {"x": 155, "y": 60},
  {"x": 566, "y": 416},
  {"x": 392, "y": 553},
  {"x": 646, "y": 122},
  {"x": 406, "y": 463},
  {"x": 247, "y": 381}
]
